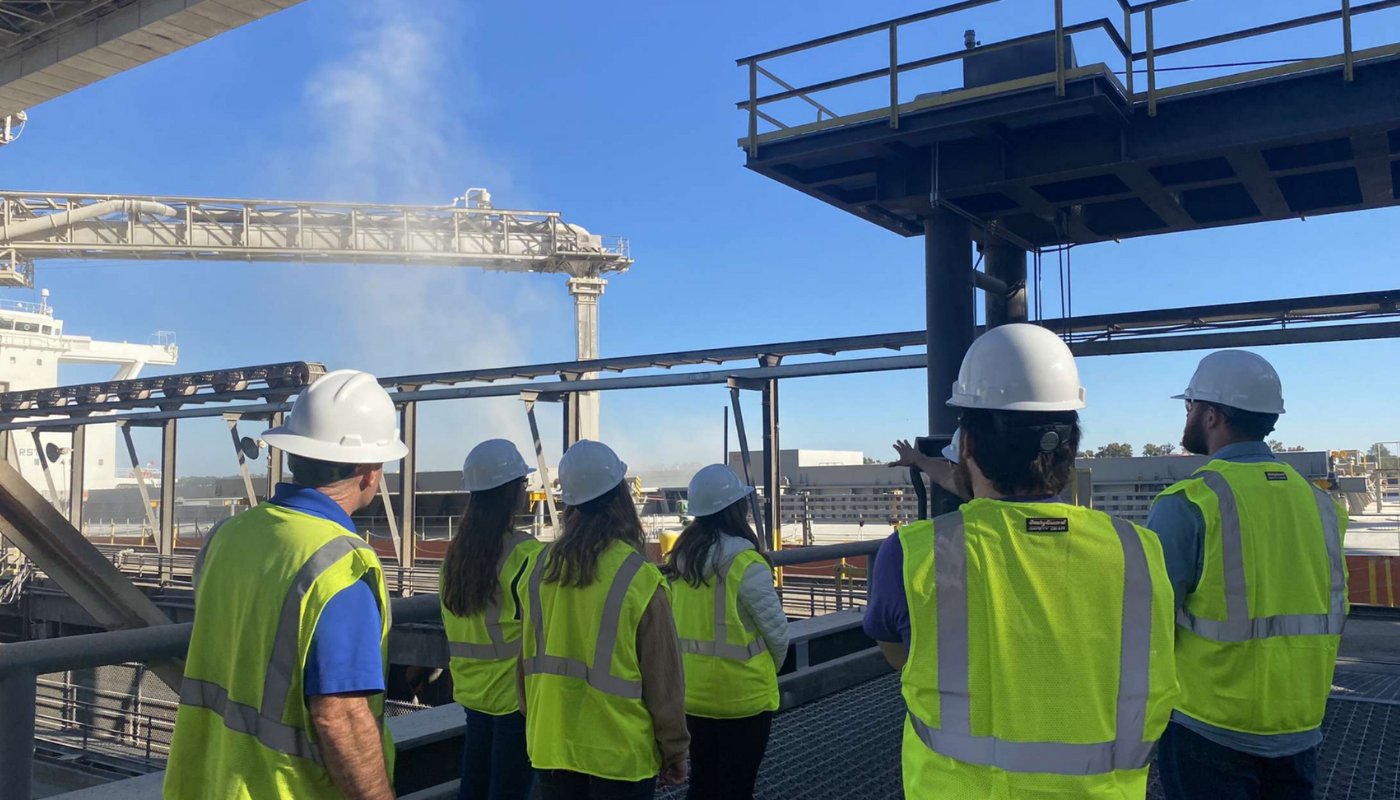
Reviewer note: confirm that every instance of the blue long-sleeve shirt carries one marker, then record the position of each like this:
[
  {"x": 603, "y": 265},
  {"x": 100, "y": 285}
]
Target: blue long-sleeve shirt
[{"x": 1182, "y": 530}]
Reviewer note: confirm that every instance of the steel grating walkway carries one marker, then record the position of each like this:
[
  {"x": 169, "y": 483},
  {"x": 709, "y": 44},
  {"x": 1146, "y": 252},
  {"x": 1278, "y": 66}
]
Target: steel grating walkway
[{"x": 846, "y": 746}]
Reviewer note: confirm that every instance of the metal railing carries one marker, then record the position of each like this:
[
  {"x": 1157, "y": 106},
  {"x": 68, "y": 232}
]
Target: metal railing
[
  {"x": 22, "y": 663},
  {"x": 1121, "y": 41}
]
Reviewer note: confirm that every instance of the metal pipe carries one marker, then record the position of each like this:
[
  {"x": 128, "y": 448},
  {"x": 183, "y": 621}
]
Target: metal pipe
[
  {"x": 408, "y": 489},
  {"x": 1006, "y": 264},
  {"x": 808, "y": 555},
  {"x": 165, "y": 542},
  {"x": 66, "y": 219},
  {"x": 772, "y": 464},
  {"x": 274, "y": 455}
]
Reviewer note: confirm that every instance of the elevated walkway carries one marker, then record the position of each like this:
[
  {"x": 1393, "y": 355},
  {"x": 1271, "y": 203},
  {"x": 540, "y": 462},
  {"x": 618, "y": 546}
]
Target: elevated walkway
[{"x": 1040, "y": 151}]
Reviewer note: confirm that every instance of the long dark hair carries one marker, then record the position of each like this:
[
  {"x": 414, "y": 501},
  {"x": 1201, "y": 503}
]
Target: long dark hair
[
  {"x": 692, "y": 551},
  {"x": 588, "y": 530},
  {"x": 469, "y": 581}
]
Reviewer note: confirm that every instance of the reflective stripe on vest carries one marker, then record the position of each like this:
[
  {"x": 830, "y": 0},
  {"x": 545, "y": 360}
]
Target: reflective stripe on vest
[
  {"x": 720, "y": 646},
  {"x": 499, "y": 648},
  {"x": 953, "y": 737},
  {"x": 1238, "y": 626},
  {"x": 265, "y": 724},
  {"x": 599, "y": 673}
]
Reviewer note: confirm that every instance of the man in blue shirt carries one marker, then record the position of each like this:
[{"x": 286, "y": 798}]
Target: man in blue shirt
[
  {"x": 340, "y": 432},
  {"x": 1233, "y": 403}
]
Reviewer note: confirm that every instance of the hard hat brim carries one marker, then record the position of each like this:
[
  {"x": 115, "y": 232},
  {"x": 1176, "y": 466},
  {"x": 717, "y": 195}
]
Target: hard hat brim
[
  {"x": 306, "y": 447},
  {"x": 468, "y": 486},
  {"x": 1020, "y": 405}
]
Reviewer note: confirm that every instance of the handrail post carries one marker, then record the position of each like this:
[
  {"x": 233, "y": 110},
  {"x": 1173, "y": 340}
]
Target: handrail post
[
  {"x": 1349, "y": 59},
  {"x": 894, "y": 76},
  {"x": 753, "y": 109},
  {"x": 17, "y": 697},
  {"x": 1059, "y": 48},
  {"x": 1128, "y": 57},
  {"x": 1151, "y": 67}
]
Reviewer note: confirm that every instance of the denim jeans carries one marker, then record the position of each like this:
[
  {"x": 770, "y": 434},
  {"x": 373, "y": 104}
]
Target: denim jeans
[
  {"x": 725, "y": 755},
  {"x": 495, "y": 765},
  {"x": 1195, "y": 768},
  {"x": 561, "y": 784}
]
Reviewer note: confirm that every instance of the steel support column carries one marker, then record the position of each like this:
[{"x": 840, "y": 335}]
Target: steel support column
[
  {"x": 274, "y": 457},
  {"x": 77, "y": 458},
  {"x": 951, "y": 327},
  {"x": 948, "y": 286},
  {"x": 586, "y": 291},
  {"x": 408, "y": 488},
  {"x": 17, "y": 697},
  {"x": 1007, "y": 263},
  {"x": 772, "y": 457},
  {"x": 165, "y": 539}
]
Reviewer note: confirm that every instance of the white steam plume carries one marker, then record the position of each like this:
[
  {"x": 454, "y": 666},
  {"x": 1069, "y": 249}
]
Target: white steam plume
[{"x": 392, "y": 113}]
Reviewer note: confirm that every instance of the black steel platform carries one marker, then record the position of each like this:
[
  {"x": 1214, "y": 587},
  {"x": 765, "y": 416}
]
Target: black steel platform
[
  {"x": 1094, "y": 161},
  {"x": 846, "y": 747}
]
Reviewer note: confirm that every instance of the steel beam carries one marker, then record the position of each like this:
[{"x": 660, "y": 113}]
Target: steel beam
[
  {"x": 77, "y": 467},
  {"x": 274, "y": 456},
  {"x": 529, "y": 399},
  {"x": 165, "y": 541},
  {"x": 408, "y": 486},
  {"x": 141, "y": 481},
  {"x": 232, "y": 420},
  {"x": 58, "y": 548},
  {"x": 759, "y": 518}
]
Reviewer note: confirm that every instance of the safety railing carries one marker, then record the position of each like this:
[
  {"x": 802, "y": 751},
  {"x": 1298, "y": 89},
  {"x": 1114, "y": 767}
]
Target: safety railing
[
  {"x": 22, "y": 663},
  {"x": 816, "y": 96}
]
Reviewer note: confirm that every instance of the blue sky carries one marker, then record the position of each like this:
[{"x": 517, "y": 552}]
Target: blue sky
[{"x": 621, "y": 116}]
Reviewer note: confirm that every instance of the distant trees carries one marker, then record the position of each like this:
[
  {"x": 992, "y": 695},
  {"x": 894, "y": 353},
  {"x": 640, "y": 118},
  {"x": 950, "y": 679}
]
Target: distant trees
[
  {"x": 1158, "y": 449},
  {"x": 1379, "y": 450},
  {"x": 1115, "y": 450},
  {"x": 1279, "y": 447}
]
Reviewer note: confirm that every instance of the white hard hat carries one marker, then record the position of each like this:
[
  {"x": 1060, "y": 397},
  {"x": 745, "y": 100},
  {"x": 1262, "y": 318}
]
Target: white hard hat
[
  {"x": 1018, "y": 367},
  {"x": 588, "y": 471},
  {"x": 345, "y": 417},
  {"x": 714, "y": 489},
  {"x": 951, "y": 451},
  {"x": 1238, "y": 379},
  {"x": 494, "y": 462}
]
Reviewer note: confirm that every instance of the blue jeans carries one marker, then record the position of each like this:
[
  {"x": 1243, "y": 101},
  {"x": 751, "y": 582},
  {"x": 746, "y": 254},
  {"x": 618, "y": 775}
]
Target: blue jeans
[
  {"x": 495, "y": 765},
  {"x": 1195, "y": 768}
]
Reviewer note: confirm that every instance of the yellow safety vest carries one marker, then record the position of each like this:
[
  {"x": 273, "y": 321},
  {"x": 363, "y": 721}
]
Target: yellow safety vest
[
  {"x": 243, "y": 728},
  {"x": 1257, "y": 640},
  {"x": 482, "y": 649},
  {"x": 1040, "y": 656},
  {"x": 583, "y": 682},
  {"x": 728, "y": 672}
]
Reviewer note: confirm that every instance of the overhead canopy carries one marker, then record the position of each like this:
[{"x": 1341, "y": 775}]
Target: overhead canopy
[{"x": 51, "y": 47}]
